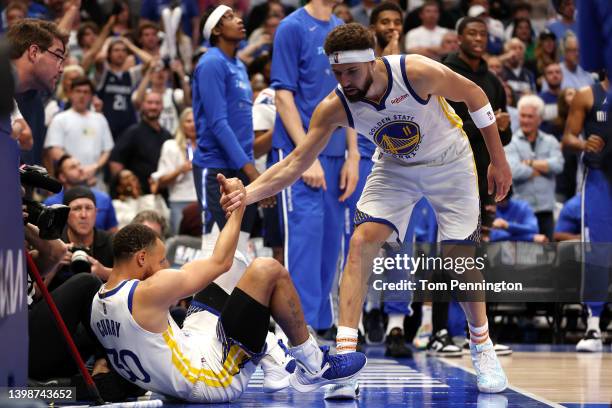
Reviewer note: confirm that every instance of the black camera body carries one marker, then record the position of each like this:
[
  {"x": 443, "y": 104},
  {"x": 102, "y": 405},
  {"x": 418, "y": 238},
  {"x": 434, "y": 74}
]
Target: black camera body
[{"x": 50, "y": 220}]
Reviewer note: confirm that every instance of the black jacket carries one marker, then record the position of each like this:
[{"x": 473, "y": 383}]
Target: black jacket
[{"x": 494, "y": 89}]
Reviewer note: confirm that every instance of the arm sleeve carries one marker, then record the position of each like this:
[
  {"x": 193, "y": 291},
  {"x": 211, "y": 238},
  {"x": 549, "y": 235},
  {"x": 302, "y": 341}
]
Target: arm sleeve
[
  {"x": 285, "y": 59},
  {"x": 555, "y": 161},
  {"x": 212, "y": 88},
  {"x": 520, "y": 171},
  {"x": 567, "y": 222},
  {"x": 526, "y": 222},
  {"x": 263, "y": 117},
  {"x": 55, "y": 134},
  {"x": 498, "y": 235}
]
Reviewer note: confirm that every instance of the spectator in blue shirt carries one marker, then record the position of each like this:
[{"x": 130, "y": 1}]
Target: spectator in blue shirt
[
  {"x": 566, "y": 22},
  {"x": 515, "y": 221},
  {"x": 553, "y": 76},
  {"x": 312, "y": 208},
  {"x": 222, "y": 105},
  {"x": 70, "y": 173},
  {"x": 569, "y": 223},
  {"x": 574, "y": 76},
  {"x": 535, "y": 159}
]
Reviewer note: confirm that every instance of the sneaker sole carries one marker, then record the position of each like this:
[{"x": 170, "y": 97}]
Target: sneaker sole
[
  {"x": 354, "y": 394},
  {"x": 493, "y": 390},
  {"x": 311, "y": 387},
  {"x": 586, "y": 350}
]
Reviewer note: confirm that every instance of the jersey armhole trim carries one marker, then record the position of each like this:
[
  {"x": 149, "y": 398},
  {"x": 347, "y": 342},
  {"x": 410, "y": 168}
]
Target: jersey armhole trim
[
  {"x": 349, "y": 116},
  {"x": 131, "y": 296},
  {"x": 405, "y": 78}
]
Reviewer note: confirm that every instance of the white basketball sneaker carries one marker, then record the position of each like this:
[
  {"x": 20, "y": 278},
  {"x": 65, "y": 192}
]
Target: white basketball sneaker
[
  {"x": 591, "y": 342},
  {"x": 490, "y": 375},
  {"x": 277, "y": 366}
]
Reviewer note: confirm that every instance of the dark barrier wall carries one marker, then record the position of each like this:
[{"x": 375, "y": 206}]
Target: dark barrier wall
[{"x": 13, "y": 285}]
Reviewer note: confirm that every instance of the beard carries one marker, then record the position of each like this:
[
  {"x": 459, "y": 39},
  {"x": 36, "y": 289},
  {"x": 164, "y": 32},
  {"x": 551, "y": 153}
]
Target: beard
[
  {"x": 152, "y": 116},
  {"x": 359, "y": 93}
]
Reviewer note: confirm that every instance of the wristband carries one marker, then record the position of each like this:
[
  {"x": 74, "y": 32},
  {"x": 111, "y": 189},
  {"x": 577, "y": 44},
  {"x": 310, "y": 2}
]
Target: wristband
[{"x": 483, "y": 117}]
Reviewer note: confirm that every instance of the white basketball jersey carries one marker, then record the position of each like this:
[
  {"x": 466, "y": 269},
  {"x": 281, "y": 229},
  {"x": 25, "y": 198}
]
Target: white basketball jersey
[
  {"x": 171, "y": 363},
  {"x": 402, "y": 124}
]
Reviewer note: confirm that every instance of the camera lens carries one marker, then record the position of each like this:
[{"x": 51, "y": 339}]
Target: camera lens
[{"x": 79, "y": 262}]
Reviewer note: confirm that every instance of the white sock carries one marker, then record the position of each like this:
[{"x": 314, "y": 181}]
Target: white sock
[
  {"x": 274, "y": 353},
  {"x": 426, "y": 318},
  {"x": 480, "y": 334},
  {"x": 395, "y": 320},
  {"x": 346, "y": 340},
  {"x": 593, "y": 323},
  {"x": 308, "y": 354}
]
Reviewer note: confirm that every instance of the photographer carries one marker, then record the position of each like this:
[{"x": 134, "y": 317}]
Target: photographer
[
  {"x": 70, "y": 173},
  {"x": 90, "y": 248}
]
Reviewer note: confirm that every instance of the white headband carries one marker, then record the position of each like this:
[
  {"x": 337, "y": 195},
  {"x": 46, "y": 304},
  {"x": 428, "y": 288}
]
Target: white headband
[
  {"x": 352, "y": 56},
  {"x": 213, "y": 19}
]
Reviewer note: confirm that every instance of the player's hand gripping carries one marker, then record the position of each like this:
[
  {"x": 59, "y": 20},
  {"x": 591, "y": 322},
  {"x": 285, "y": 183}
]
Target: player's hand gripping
[
  {"x": 232, "y": 192},
  {"x": 499, "y": 177}
]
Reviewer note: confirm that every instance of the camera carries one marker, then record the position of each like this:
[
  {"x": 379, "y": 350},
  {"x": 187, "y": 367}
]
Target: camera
[
  {"x": 50, "y": 220},
  {"x": 79, "y": 261}
]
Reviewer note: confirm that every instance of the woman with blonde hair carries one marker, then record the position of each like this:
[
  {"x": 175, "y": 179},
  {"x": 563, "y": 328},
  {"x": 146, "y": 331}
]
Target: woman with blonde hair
[{"x": 174, "y": 168}]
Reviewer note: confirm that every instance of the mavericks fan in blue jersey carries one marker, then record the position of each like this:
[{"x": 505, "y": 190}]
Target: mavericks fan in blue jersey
[{"x": 399, "y": 102}]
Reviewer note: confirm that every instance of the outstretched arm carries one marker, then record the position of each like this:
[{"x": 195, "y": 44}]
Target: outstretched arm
[
  {"x": 429, "y": 77},
  {"x": 326, "y": 118},
  {"x": 168, "y": 285}
]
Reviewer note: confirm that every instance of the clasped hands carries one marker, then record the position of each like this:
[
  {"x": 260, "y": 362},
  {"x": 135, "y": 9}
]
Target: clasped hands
[{"x": 233, "y": 194}]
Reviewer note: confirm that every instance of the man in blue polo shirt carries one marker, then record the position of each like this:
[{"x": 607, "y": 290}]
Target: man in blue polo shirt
[
  {"x": 222, "y": 107},
  {"x": 313, "y": 208},
  {"x": 70, "y": 173}
]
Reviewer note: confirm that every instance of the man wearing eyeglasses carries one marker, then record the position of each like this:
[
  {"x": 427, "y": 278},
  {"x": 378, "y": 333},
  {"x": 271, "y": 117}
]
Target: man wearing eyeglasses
[{"x": 37, "y": 50}]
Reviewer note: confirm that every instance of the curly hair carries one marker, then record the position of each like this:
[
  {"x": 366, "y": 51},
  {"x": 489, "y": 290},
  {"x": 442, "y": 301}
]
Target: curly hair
[
  {"x": 346, "y": 37},
  {"x": 131, "y": 239}
]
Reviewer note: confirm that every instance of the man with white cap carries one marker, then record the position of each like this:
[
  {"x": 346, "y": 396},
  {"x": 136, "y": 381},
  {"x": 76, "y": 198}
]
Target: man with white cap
[
  {"x": 399, "y": 103},
  {"x": 222, "y": 108}
]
